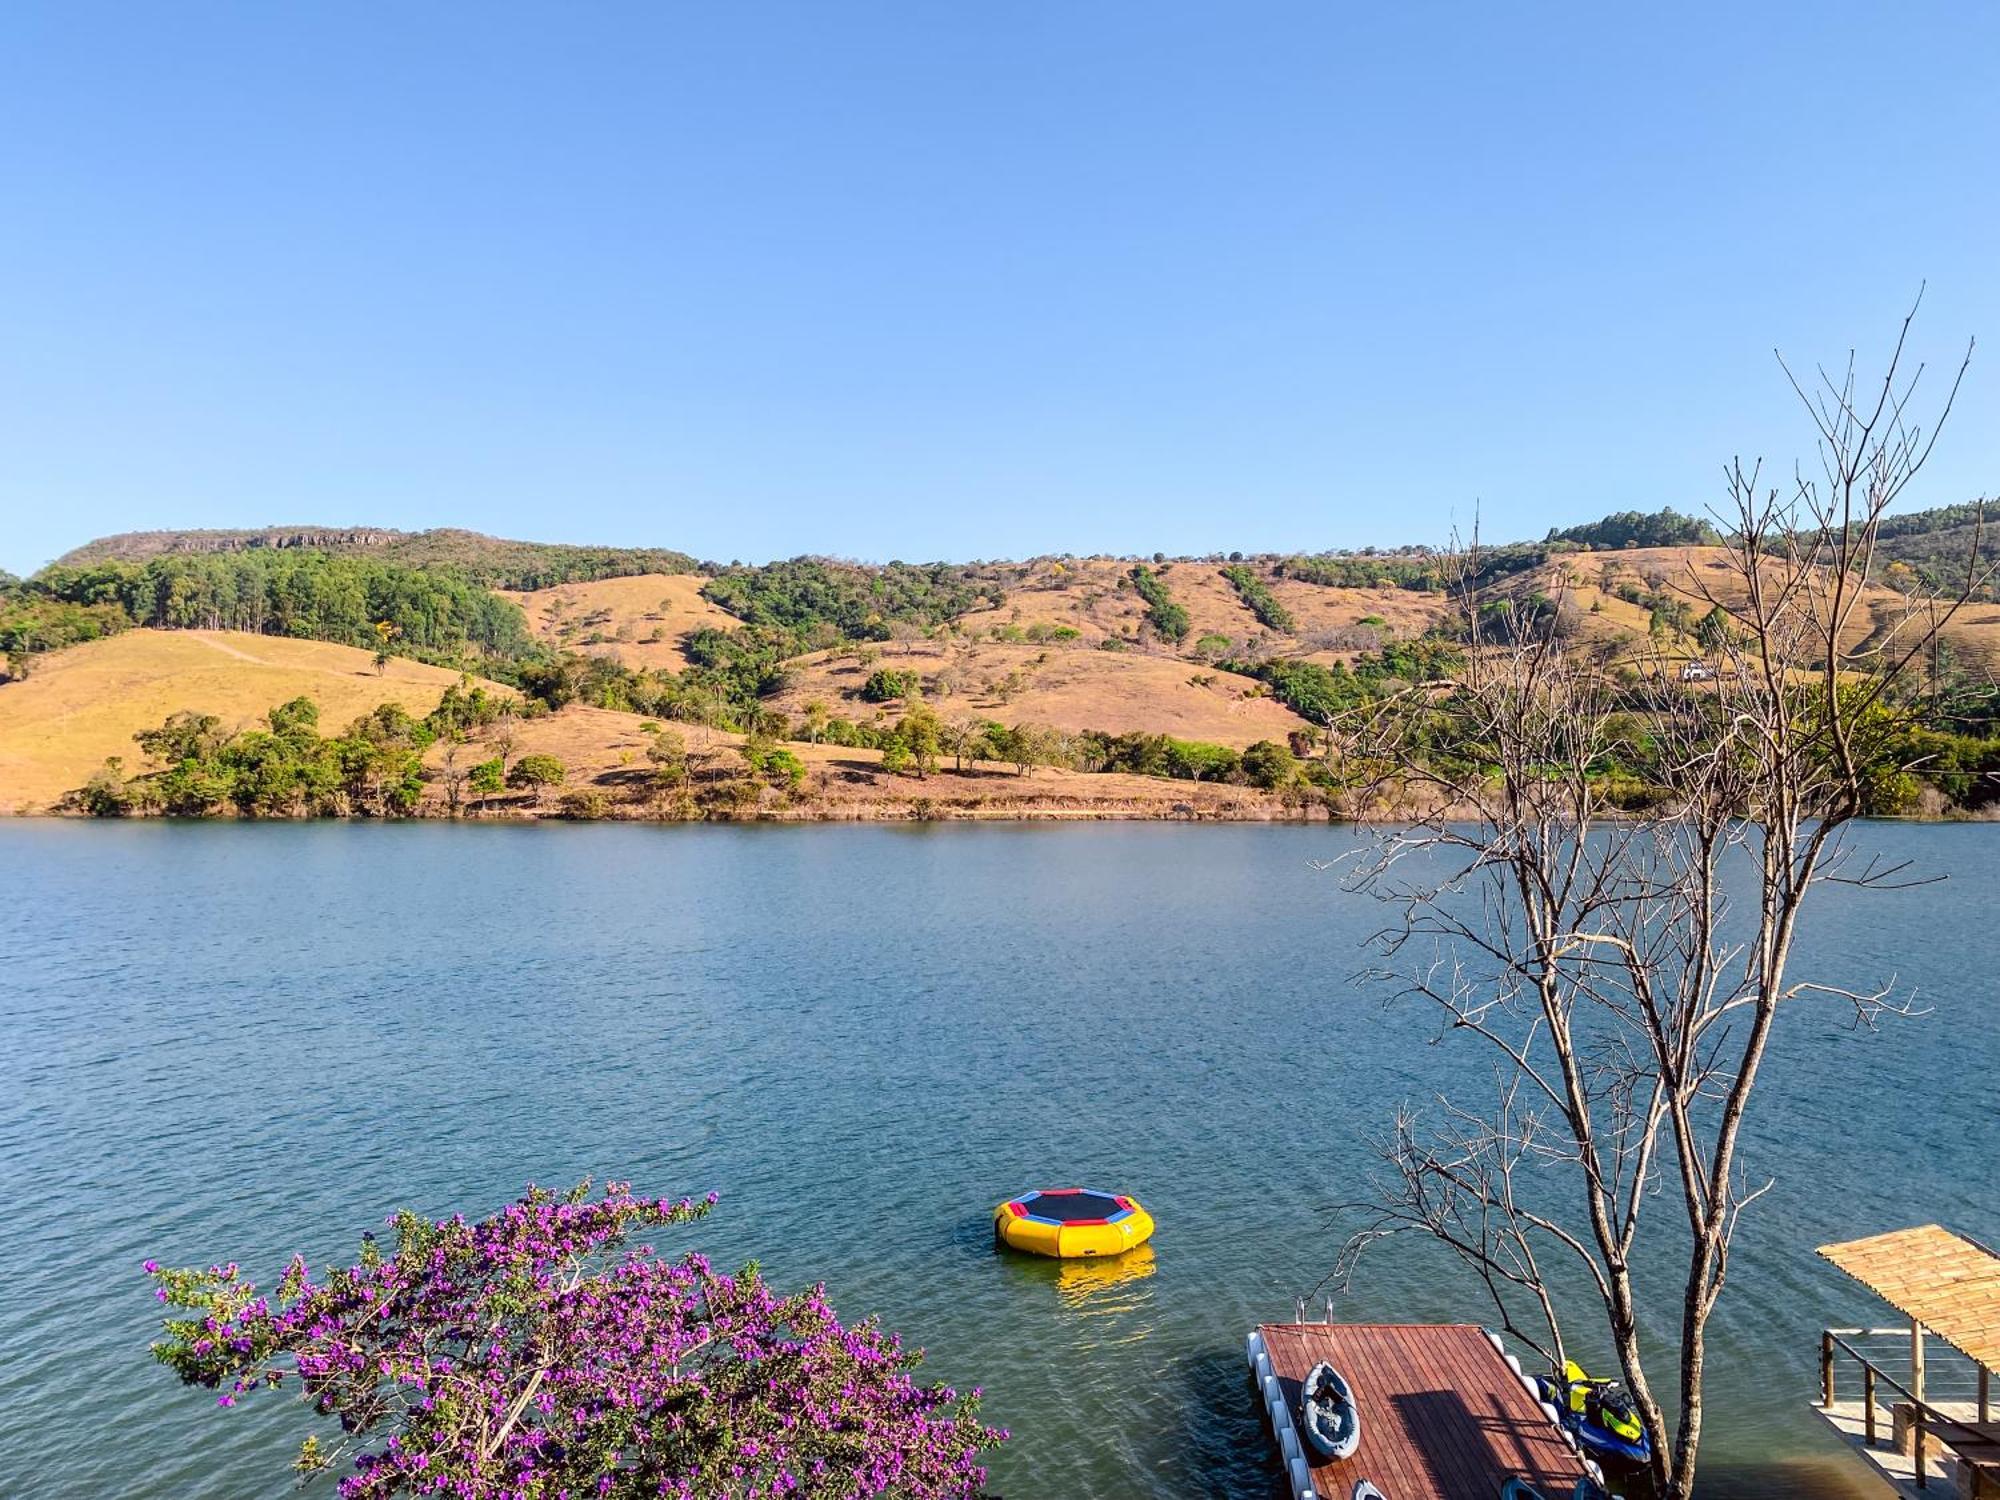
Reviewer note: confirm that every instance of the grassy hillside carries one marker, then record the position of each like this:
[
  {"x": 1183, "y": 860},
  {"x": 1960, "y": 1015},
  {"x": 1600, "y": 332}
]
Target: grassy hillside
[
  {"x": 638, "y": 620},
  {"x": 1600, "y": 585},
  {"x": 1935, "y": 546},
  {"x": 1094, "y": 596},
  {"x": 1070, "y": 687},
  {"x": 85, "y": 704}
]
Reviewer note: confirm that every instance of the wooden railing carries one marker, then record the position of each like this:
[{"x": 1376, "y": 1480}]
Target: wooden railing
[{"x": 1924, "y": 1416}]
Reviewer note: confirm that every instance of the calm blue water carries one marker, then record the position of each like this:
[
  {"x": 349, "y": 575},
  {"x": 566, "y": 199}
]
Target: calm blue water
[{"x": 236, "y": 1041}]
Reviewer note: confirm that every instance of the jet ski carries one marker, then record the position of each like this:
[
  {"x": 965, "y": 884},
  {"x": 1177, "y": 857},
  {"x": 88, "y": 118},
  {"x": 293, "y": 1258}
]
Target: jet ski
[{"x": 1600, "y": 1413}]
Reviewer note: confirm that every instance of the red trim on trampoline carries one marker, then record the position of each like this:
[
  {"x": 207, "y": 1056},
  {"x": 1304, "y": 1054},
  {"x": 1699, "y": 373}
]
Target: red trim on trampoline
[
  {"x": 1072, "y": 1223},
  {"x": 1124, "y": 1202},
  {"x": 1059, "y": 1193},
  {"x": 1017, "y": 1210}
]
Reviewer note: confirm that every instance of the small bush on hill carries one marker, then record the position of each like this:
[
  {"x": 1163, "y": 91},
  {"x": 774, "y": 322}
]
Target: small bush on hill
[
  {"x": 585, "y": 804},
  {"x": 886, "y": 685}
]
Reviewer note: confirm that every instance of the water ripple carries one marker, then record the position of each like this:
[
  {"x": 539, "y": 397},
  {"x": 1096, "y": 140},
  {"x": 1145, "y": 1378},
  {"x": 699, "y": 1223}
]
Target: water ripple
[{"x": 233, "y": 1043}]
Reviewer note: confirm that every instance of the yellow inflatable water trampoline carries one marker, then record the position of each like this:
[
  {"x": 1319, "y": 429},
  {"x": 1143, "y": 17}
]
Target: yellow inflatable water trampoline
[{"x": 1072, "y": 1222}]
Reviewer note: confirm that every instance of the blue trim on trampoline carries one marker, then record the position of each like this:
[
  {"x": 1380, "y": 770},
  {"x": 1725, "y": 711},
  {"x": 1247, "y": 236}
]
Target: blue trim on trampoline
[{"x": 1026, "y": 1200}]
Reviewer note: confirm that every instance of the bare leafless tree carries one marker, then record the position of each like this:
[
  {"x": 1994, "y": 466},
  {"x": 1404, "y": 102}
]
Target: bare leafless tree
[
  {"x": 505, "y": 738},
  {"x": 452, "y": 776},
  {"x": 964, "y": 738},
  {"x": 1626, "y": 965}
]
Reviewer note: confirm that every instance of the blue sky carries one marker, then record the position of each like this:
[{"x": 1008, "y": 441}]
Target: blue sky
[{"x": 949, "y": 280}]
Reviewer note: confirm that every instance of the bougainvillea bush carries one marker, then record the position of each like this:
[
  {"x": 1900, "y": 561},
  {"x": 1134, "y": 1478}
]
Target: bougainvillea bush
[{"x": 535, "y": 1355}]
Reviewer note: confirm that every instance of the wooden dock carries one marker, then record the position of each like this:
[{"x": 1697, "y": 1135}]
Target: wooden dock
[
  {"x": 1945, "y": 1477},
  {"x": 1443, "y": 1415},
  {"x": 1940, "y": 1423}
]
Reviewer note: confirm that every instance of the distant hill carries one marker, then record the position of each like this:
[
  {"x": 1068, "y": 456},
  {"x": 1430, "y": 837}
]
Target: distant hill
[
  {"x": 85, "y": 705},
  {"x": 496, "y": 562},
  {"x": 1937, "y": 544},
  {"x": 1224, "y": 668}
]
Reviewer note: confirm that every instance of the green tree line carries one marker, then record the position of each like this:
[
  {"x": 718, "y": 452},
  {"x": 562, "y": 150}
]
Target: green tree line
[
  {"x": 1257, "y": 597},
  {"x": 1165, "y": 615},
  {"x": 491, "y": 561},
  {"x": 1631, "y": 528},
  {"x": 1319, "y": 692},
  {"x": 434, "y": 614},
  {"x": 823, "y": 601},
  {"x": 284, "y": 767},
  {"x": 1344, "y": 571}
]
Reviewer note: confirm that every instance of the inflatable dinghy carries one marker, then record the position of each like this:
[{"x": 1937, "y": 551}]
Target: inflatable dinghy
[{"x": 1328, "y": 1414}]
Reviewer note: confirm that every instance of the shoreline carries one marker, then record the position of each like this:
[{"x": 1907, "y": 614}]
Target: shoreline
[
  {"x": 881, "y": 813},
  {"x": 877, "y": 813}
]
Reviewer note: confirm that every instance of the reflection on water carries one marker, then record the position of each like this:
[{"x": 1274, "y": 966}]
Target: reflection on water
[
  {"x": 1105, "y": 1300},
  {"x": 232, "y": 1042},
  {"x": 1092, "y": 1287}
]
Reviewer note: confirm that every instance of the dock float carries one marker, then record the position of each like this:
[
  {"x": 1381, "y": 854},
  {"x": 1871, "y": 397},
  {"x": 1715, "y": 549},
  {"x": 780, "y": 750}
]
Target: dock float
[{"x": 1445, "y": 1413}]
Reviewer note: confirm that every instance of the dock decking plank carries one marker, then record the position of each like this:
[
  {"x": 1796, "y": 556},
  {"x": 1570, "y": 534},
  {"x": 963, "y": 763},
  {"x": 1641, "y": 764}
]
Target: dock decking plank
[{"x": 1442, "y": 1415}]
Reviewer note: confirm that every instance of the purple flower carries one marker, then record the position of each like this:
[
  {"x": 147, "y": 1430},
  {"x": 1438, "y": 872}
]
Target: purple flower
[{"x": 585, "y": 1355}]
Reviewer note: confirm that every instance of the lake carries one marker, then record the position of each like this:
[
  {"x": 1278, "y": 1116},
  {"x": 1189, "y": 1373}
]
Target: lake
[{"x": 232, "y": 1041}]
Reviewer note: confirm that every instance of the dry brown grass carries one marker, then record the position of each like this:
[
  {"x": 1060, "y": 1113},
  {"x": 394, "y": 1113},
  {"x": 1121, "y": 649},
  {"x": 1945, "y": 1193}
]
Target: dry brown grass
[
  {"x": 1082, "y": 593},
  {"x": 1404, "y": 613},
  {"x": 1093, "y": 595},
  {"x": 1213, "y": 605},
  {"x": 1703, "y": 576},
  {"x": 628, "y": 612},
  {"x": 85, "y": 704},
  {"x": 1069, "y": 687}
]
